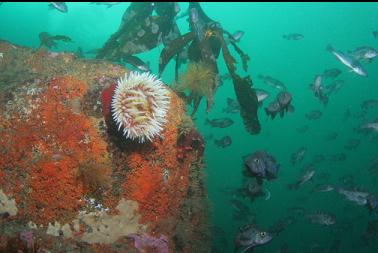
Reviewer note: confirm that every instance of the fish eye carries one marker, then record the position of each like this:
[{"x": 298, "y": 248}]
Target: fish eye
[
  {"x": 262, "y": 234},
  {"x": 256, "y": 160}
]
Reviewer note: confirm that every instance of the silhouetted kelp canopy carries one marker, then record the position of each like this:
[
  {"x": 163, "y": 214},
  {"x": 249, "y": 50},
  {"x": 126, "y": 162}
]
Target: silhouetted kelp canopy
[{"x": 142, "y": 29}]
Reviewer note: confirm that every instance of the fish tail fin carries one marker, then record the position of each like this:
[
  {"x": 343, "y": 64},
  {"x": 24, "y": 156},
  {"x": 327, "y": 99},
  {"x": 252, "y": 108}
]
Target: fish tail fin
[
  {"x": 259, "y": 76},
  {"x": 284, "y": 36},
  {"x": 329, "y": 48},
  {"x": 51, "y": 6},
  {"x": 207, "y": 122}
]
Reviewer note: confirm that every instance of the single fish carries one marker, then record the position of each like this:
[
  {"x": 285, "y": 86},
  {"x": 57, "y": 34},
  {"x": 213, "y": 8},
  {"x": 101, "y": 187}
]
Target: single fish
[
  {"x": 302, "y": 129},
  {"x": 281, "y": 225},
  {"x": 48, "y": 40},
  {"x": 352, "y": 144},
  {"x": 369, "y": 103},
  {"x": 284, "y": 98},
  {"x": 298, "y": 155},
  {"x": 317, "y": 159},
  {"x": 233, "y": 106},
  {"x": 338, "y": 157},
  {"x": 137, "y": 63},
  {"x": 262, "y": 165},
  {"x": 60, "y": 6},
  {"x": 272, "y": 109},
  {"x": 281, "y": 105},
  {"x": 373, "y": 126},
  {"x": 307, "y": 175},
  {"x": 375, "y": 34},
  {"x": 331, "y": 73},
  {"x": 364, "y": 53},
  {"x": 322, "y": 218},
  {"x": 250, "y": 236},
  {"x": 293, "y": 36},
  {"x": 272, "y": 82},
  {"x": 107, "y": 4},
  {"x": 318, "y": 89},
  {"x": 221, "y": 122},
  {"x": 314, "y": 115},
  {"x": 223, "y": 142},
  {"x": 360, "y": 114},
  {"x": 240, "y": 206},
  {"x": 261, "y": 95},
  {"x": 331, "y": 136},
  {"x": 236, "y": 36},
  {"x": 348, "y": 61},
  {"x": 334, "y": 87},
  {"x": 358, "y": 197},
  {"x": 323, "y": 188},
  {"x": 254, "y": 189}
]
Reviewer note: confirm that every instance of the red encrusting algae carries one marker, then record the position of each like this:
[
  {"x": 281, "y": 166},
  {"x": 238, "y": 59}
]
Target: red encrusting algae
[
  {"x": 58, "y": 158},
  {"x": 158, "y": 180},
  {"x": 48, "y": 148}
]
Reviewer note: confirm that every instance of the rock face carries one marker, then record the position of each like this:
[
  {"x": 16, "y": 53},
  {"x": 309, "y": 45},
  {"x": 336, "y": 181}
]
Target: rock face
[{"x": 68, "y": 176}]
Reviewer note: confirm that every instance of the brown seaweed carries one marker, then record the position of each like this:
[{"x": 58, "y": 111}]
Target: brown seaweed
[
  {"x": 140, "y": 32},
  {"x": 248, "y": 103},
  {"x": 125, "y": 41},
  {"x": 173, "y": 49}
]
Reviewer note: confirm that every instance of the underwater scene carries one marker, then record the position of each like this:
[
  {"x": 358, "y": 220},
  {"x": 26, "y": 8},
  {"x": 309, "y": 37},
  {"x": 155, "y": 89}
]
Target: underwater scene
[{"x": 188, "y": 127}]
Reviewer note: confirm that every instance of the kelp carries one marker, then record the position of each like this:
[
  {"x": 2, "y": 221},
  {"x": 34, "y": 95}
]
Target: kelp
[
  {"x": 206, "y": 40},
  {"x": 175, "y": 47},
  {"x": 245, "y": 94},
  {"x": 244, "y": 57},
  {"x": 135, "y": 15},
  {"x": 248, "y": 103},
  {"x": 141, "y": 31}
]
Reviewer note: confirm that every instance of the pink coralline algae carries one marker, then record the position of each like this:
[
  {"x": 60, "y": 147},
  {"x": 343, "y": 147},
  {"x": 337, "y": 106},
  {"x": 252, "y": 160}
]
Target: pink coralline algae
[
  {"x": 27, "y": 237},
  {"x": 145, "y": 242}
]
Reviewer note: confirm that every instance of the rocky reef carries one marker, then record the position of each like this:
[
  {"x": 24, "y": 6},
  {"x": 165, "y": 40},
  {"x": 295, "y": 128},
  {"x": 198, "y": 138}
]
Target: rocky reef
[{"x": 70, "y": 182}]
